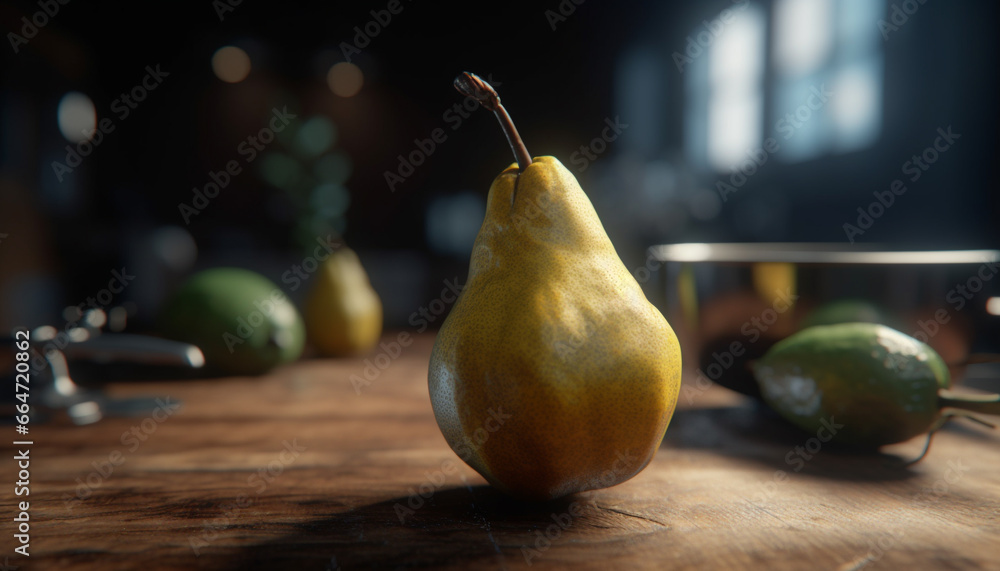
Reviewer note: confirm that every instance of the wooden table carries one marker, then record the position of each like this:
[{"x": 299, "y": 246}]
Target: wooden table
[{"x": 192, "y": 489}]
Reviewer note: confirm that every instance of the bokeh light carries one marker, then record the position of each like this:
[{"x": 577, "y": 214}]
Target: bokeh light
[
  {"x": 453, "y": 221},
  {"x": 174, "y": 247},
  {"x": 330, "y": 200},
  {"x": 345, "y": 79},
  {"x": 77, "y": 117},
  {"x": 280, "y": 170},
  {"x": 315, "y": 137},
  {"x": 231, "y": 64},
  {"x": 993, "y": 306},
  {"x": 334, "y": 167}
]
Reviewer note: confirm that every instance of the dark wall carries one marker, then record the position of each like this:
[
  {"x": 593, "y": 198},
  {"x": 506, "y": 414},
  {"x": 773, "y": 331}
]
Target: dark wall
[{"x": 557, "y": 83}]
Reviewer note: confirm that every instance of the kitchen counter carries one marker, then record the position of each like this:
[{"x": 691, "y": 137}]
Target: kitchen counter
[{"x": 296, "y": 469}]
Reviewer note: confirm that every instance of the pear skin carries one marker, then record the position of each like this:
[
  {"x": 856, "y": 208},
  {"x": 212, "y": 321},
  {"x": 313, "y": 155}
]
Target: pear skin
[
  {"x": 552, "y": 374},
  {"x": 343, "y": 314}
]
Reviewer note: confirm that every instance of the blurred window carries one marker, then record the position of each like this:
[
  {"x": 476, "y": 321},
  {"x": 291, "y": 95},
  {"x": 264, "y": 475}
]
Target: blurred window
[{"x": 815, "y": 74}]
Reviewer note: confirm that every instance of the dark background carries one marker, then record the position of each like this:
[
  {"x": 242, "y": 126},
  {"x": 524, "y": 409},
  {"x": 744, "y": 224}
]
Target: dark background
[{"x": 559, "y": 85}]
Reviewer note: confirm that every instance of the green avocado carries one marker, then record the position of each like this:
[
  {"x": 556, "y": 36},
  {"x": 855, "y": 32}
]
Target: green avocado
[
  {"x": 879, "y": 384},
  {"x": 243, "y": 322}
]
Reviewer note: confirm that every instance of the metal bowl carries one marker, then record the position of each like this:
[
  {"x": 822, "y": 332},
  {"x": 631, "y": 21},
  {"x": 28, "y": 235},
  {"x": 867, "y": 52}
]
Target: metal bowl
[{"x": 729, "y": 302}]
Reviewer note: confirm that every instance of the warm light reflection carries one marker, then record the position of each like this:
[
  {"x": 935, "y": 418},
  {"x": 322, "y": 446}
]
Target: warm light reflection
[
  {"x": 773, "y": 278},
  {"x": 345, "y": 79},
  {"x": 231, "y": 64},
  {"x": 993, "y": 306}
]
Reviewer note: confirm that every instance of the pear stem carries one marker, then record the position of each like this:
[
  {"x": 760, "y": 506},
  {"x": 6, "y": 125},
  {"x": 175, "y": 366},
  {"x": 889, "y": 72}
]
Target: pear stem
[{"x": 471, "y": 85}]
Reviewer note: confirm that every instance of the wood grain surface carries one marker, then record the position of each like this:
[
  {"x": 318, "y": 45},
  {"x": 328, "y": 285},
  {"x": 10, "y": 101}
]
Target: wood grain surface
[{"x": 295, "y": 470}]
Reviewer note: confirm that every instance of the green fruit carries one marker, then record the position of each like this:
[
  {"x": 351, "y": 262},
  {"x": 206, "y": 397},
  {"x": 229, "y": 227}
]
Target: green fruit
[
  {"x": 847, "y": 311},
  {"x": 881, "y": 385},
  {"x": 874, "y": 384},
  {"x": 243, "y": 322}
]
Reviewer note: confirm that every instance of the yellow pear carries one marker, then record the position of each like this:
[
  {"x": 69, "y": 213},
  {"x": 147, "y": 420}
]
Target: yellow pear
[
  {"x": 343, "y": 314},
  {"x": 552, "y": 374}
]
